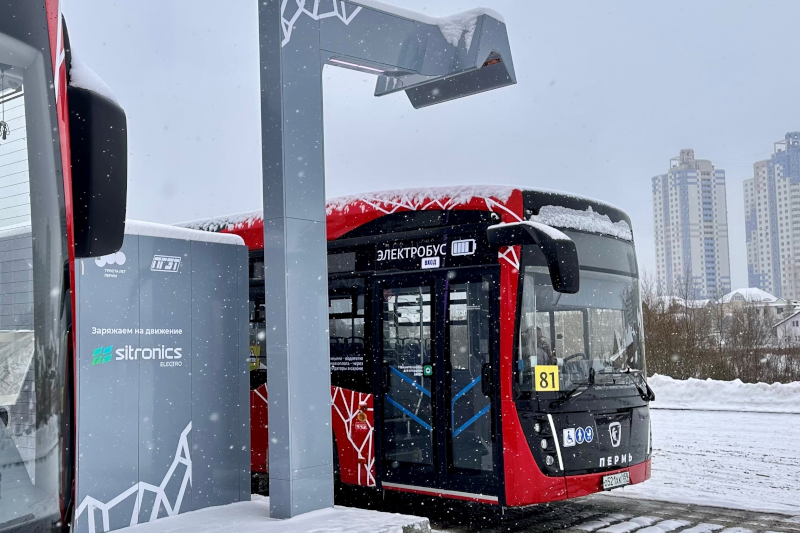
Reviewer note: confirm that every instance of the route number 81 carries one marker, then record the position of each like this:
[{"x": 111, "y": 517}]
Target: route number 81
[{"x": 546, "y": 377}]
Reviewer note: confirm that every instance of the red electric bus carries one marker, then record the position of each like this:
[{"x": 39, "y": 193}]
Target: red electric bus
[
  {"x": 485, "y": 344},
  {"x": 63, "y": 180}
]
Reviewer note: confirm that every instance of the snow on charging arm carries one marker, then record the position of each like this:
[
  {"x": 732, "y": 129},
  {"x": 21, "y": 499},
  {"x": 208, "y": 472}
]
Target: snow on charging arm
[
  {"x": 80, "y": 75},
  {"x": 589, "y": 220},
  {"x": 452, "y": 27}
]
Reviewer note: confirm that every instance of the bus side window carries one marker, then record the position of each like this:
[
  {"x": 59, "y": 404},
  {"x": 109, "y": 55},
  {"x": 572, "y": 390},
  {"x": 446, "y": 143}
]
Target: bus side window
[{"x": 346, "y": 324}]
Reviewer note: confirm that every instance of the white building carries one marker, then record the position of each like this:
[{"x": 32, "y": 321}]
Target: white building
[
  {"x": 777, "y": 308},
  {"x": 787, "y": 331},
  {"x": 772, "y": 220},
  {"x": 691, "y": 229}
]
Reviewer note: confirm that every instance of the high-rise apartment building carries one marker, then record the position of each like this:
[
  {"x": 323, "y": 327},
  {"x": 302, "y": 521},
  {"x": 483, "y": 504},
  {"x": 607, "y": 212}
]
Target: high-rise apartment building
[
  {"x": 691, "y": 229},
  {"x": 772, "y": 220}
]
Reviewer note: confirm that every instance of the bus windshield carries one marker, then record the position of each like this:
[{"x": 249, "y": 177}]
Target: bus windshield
[{"x": 593, "y": 336}]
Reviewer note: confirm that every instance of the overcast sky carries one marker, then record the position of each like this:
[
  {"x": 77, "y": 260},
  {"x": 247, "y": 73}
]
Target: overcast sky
[{"x": 607, "y": 93}]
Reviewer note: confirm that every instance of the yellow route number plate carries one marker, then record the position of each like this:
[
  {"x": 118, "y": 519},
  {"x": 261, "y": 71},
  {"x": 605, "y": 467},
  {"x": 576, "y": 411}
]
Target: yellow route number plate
[{"x": 546, "y": 378}]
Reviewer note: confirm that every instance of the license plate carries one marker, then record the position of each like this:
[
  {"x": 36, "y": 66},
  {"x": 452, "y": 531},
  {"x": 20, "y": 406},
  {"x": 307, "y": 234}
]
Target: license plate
[{"x": 616, "y": 480}]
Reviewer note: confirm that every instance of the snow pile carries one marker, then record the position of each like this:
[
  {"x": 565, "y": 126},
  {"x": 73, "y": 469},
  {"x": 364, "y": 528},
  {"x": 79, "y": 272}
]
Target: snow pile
[
  {"x": 413, "y": 199},
  {"x": 80, "y": 75},
  {"x": 452, "y": 27},
  {"x": 589, "y": 220},
  {"x": 151, "y": 229},
  {"x": 254, "y": 516},
  {"x": 713, "y": 395},
  {"x": 228, "y": 222}
]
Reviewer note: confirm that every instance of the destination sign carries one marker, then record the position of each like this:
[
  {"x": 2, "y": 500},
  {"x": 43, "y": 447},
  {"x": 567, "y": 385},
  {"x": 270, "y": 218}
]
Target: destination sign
[{"x": 442, "y": 251}]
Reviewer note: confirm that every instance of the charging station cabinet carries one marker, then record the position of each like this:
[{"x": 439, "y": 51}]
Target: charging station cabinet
[{"x": 163, "y": 406}]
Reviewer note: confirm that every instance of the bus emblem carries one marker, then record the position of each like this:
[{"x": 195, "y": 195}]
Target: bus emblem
[
  {"x": 463, "y": 247},
  {"x": 615, "y": 428}
]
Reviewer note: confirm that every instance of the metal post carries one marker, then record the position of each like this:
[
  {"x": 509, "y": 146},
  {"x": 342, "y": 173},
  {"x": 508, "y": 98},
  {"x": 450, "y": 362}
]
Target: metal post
[{"x": 298, "y": 38}]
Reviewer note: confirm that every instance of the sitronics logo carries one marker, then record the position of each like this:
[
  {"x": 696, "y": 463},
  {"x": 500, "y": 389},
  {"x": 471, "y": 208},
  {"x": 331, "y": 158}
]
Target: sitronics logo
[
  {"x": 167, "y": 357},
  {"x": 165, "y": 263},
  {"x": 101, "y": 355}
]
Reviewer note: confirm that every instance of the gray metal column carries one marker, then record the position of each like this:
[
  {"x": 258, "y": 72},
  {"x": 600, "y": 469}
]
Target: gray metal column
[
  {"x": 296, "y": 276},
  {"x": 433, "y": 63}
]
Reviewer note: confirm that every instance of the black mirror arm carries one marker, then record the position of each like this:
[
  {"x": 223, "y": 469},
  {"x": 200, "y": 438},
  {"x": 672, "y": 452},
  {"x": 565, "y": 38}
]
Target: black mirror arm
[{"x": 558, "y": 248}]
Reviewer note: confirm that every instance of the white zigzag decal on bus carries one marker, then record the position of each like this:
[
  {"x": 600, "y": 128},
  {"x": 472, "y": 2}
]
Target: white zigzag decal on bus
[
  {"x": 366, "y": 452},
  {"x": 509, "y": 254},
  {"x": 182, "y": 456},
  {"x": 389, "y": 206},
  {"x": 338, "y": 12}
]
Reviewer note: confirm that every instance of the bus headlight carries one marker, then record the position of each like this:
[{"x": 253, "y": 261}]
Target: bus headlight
[
  {"x": 543, "y": 444},
  {"x": 549, "y": 460},
  {"x": 537, "y": 427}
]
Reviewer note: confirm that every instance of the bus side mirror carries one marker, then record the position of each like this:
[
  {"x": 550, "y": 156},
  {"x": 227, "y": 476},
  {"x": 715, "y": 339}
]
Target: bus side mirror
[
  {"x": 560, "y": 251},
  {"x": 99, "y": 154}
]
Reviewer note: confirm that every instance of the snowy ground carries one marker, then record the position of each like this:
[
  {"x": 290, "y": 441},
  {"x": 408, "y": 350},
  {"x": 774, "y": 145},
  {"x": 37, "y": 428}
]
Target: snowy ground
[
  {"x": 601, "y": 513},
  {"x": 725, "y": 454},
  {"x": 254, "y": 517},
  {"x": 727, "y": 459},
  {"x": 726, "y": 444}
]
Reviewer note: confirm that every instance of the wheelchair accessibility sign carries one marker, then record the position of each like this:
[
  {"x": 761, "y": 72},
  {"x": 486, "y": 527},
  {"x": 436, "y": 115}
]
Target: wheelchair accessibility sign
[
  {"x": 573, "y": 436},
  {"x": 569, "y": 437}
]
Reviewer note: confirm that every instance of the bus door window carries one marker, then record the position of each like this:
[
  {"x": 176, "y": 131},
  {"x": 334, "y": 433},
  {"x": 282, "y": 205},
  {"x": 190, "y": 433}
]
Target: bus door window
[
  {"x": 258, "y": 337},
  {"x": 407, "y": 375},
  {"x": 258, "y": 321},
  {"x": 346, "y": 326},
  {"x": 469, "y": 344},
  {"x": 350, "y": 363},
  {"x": 32, "y": 337}
]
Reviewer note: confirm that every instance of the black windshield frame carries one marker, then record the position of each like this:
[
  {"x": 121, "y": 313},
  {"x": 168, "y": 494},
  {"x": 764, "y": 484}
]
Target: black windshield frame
[{"x": 619, "y": 260}]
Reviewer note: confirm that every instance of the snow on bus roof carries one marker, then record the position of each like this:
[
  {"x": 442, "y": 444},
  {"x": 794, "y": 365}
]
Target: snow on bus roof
[
  {"x": 447, "y": 197},
  {"x": 589, "y": 220},
  {"x": 223, "y": 222},
  {"x": 414, "y": 198}
]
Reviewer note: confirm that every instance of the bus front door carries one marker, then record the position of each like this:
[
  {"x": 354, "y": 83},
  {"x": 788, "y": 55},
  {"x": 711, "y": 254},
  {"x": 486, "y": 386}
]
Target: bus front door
[{"x": 435, "y": 342}]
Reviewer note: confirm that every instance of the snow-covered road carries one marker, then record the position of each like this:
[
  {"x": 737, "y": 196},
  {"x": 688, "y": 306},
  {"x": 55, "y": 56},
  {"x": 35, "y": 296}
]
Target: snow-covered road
[{"x": 728, "y": 459}]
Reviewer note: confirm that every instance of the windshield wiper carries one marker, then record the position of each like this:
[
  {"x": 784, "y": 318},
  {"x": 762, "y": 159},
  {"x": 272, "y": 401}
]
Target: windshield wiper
[
  {"x": 645, "y": 392},
  {"x": 574, "y": 392}
]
